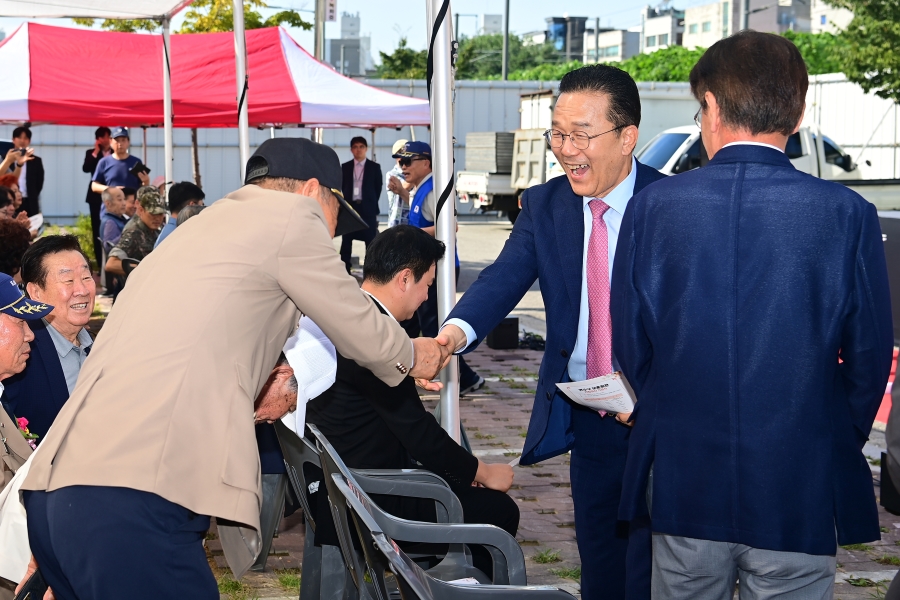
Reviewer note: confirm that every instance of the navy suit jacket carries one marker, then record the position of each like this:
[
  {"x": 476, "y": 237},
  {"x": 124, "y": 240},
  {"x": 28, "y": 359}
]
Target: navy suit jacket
[
  {"x": 39, "y": 392},
  {"x": 372, "y": 183},
  {"x": 547, "y": 244},
  {"x": 752, "y": 316}
]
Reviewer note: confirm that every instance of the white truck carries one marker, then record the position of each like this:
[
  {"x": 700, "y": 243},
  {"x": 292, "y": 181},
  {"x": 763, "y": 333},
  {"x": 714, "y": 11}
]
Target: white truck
[{"x": 679, "y": 149}]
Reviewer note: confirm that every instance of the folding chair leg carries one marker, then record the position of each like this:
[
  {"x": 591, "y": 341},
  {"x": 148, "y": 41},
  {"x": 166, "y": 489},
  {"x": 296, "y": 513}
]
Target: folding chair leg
[
  {"x": 336, "y": 581},
  {"x": 274, "y": 488},
  {"x": 311, "y": 574}
]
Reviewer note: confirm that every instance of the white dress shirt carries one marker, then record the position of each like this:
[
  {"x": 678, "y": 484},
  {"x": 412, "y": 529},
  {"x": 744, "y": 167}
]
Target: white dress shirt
[{"x": 617, "y": 200}]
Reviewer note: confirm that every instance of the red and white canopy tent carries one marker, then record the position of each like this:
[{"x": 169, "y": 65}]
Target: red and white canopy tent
[
  {"x": 118, "y": 79},
  {"x": 84, "y": 77}
]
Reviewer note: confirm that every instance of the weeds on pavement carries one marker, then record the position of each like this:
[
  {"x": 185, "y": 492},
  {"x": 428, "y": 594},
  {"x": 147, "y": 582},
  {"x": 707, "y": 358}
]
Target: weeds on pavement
[
  {"x": 547, "y": 556},
  {"x": 573, "y": 573}
]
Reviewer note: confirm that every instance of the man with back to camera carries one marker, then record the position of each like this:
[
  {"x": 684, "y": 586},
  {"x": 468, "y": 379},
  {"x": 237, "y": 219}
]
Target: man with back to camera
[
  {"x": 134, "y": 504},
  {"x": 183, "y": 193},
  {"x": 566, "y": 237},
  {"x": 362, "y": 181},
  {"x": 113, "y": 222},
  {"x": 753, "y": 321},
  {"x": 31, "y": 177},
  {"x": 115, "y": 170}
]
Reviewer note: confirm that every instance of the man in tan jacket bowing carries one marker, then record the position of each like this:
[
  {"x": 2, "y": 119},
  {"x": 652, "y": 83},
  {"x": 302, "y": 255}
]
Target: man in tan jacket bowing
[{"x": 158, "y": 434}]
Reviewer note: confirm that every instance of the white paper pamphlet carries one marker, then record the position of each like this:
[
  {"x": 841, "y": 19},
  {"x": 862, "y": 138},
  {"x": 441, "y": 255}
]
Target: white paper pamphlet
[
  {"x": 314, "y": 360},
  {"x": 610, "y": 393},
  {"x": 35, "y": 222}
]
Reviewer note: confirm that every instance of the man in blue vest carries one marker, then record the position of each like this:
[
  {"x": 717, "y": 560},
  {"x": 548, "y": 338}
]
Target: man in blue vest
[
  {"x": 415, "y": 161},
  {"x": 566, "y": 238}
]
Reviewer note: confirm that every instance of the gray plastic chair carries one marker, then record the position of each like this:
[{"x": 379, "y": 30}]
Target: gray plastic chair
[
  {"x": 508, "y": 560},
  {"x": 324, "y": 571},
  {"x": 383, "y": 555}
]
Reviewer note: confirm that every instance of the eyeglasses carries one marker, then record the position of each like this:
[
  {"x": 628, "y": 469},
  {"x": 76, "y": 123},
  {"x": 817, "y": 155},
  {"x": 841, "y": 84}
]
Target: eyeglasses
[
  {"x": 405, "y": 162},
  {"x": 697, "y": 117},
  {"x": 580, "y": 140}
]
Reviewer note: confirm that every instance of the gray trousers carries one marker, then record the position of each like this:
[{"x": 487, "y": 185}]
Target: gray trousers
[{"x": 692, "y": 569}]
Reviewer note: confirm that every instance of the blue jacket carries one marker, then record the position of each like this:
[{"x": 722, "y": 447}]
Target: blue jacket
[
  {"x": 547, "y": 244},
  {"x": 742, "y": 286},
  {"x": 39, "y": 392}
]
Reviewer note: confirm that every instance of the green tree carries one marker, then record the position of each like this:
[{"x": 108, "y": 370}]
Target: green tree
[
  {"x": 481, "y": 57},
  {"x": 870, "y": 46},
  {"x": 207, "y": 16},
  {"x": 545, "y": 72},
  {"x": 669, "y": 64},
  {"x": 820, "y": 51},
  {"x": 403, "y": 63}
]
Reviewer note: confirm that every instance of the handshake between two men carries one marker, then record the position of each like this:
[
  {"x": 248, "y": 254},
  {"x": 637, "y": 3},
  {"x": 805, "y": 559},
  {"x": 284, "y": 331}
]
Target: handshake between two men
[{"x": 432, "y": 355}]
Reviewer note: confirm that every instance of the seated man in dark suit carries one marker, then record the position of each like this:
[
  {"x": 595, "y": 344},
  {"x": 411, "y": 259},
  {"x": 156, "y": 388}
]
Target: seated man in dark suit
[
  {"x": 54, "y": 271},
  {"x": 373, "y": 426}
]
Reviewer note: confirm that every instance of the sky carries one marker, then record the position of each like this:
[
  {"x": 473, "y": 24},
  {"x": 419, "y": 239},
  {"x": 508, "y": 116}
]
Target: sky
[{"x": 386, "y": 21}]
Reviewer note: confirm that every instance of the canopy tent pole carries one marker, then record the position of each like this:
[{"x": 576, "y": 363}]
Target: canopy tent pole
[
  {"x": 243, "y": 84},
  {"x": 440, "y": 91},
  {"x": 144, "y": 143},
  {"x": 373, "y": 145},
  {"x": 167, "y": 104},
  {"x": 319, "y": 53}
]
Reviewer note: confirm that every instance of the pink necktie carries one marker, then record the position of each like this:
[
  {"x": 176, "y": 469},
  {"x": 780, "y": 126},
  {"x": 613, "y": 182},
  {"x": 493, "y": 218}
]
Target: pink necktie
[{"x": 599, "y": 346}]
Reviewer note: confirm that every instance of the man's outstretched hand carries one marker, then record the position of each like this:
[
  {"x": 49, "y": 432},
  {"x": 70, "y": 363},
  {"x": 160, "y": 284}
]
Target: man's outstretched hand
[{"x": 432, "y": 354}]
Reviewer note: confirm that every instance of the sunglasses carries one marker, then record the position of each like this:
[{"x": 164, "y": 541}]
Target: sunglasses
[{"x": 405, "y": 162}]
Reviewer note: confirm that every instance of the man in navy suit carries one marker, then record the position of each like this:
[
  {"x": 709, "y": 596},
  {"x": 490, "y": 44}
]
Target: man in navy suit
[
  {"x": 362, "y": 187},
  {"x": 566, "y": 237},
  {"x": 752, "y": 318},
  {"x": 54, "y": 267}
]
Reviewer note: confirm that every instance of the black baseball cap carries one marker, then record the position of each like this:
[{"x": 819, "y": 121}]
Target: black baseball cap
[{"x": 303, "y": 159}]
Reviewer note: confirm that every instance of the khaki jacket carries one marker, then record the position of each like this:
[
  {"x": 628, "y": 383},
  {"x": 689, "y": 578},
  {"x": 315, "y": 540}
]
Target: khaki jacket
[
  {"x": 14, "y": 448},
  {"x": 164, "y": 403}
]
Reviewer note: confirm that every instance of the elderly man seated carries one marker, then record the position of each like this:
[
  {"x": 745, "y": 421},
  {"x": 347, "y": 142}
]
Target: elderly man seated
[
  {"x": 139, "y": 235},
  {"x": 374, "y": 426},
  {"x": 15, "y": 336},
  {"x": 114, "y": 221},
  {"x": 54, "y": 271}
]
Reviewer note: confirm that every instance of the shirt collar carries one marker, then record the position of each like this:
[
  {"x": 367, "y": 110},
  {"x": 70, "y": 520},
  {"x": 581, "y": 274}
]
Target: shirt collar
[
  {"x": 380, "y": 304},
  {"x": 747, "y": 143},
  {"x": 64, "y": 346},
  {"x": 618, "y": 198},
  {"x": 359, "y": 162}
]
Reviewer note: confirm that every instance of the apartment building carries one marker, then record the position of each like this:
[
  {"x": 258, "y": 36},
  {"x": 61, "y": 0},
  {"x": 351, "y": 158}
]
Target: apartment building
[
  {"x": 706, "y": 24},
  {"x": 610, "y": 45},
  {"x": 661, "y": 28}
]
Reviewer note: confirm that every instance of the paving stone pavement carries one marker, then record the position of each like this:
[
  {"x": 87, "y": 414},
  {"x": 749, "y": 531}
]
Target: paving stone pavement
[{"x": 496, "y": 418}]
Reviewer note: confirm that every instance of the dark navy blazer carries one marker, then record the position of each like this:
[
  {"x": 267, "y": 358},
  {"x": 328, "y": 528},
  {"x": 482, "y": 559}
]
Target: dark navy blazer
[
  {"x": 39, "y": 392},
  {"x": 751, "y": 314},
  {"x": 547, "y": 244}
]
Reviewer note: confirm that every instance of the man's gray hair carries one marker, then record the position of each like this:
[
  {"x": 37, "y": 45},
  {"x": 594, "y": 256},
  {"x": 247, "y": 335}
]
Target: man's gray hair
[
  {"x": 106, "y": 196},
  {"x": 292, "y": 382}
]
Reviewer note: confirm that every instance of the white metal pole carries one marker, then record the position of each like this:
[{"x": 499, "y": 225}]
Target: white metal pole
[
  {"x": 144, "y": 143},
  {"x": 319, "y": 53},
  {"x": 167, "y": 105},
  {"x": 505, "y": 66},
  {"x": 745, "y": 14},
  {"x": 243, "y": 85},
  {"x": 441, "y": 86}
]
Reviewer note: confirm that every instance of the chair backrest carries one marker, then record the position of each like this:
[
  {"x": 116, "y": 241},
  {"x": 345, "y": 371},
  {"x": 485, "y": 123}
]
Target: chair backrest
[
  {"x": 382, "y": 553},
  {"x": 333, "y": 465},
  {"x": 129, "y": 265},
  {"x": 297, "y": 452}
]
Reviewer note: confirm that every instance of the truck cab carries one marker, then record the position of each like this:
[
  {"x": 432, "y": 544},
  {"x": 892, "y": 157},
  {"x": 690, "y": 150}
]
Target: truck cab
[{"x": 679, "y": 149}]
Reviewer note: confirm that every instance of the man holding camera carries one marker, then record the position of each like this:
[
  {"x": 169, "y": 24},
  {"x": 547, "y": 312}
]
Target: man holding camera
[
  {"x": 120, "y": 169},
  {"x": 31, "y": 176}
]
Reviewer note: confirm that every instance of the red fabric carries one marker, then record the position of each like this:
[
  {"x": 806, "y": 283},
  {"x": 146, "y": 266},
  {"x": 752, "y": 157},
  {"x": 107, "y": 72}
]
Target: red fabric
[{"x": 84, "y": 77}]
